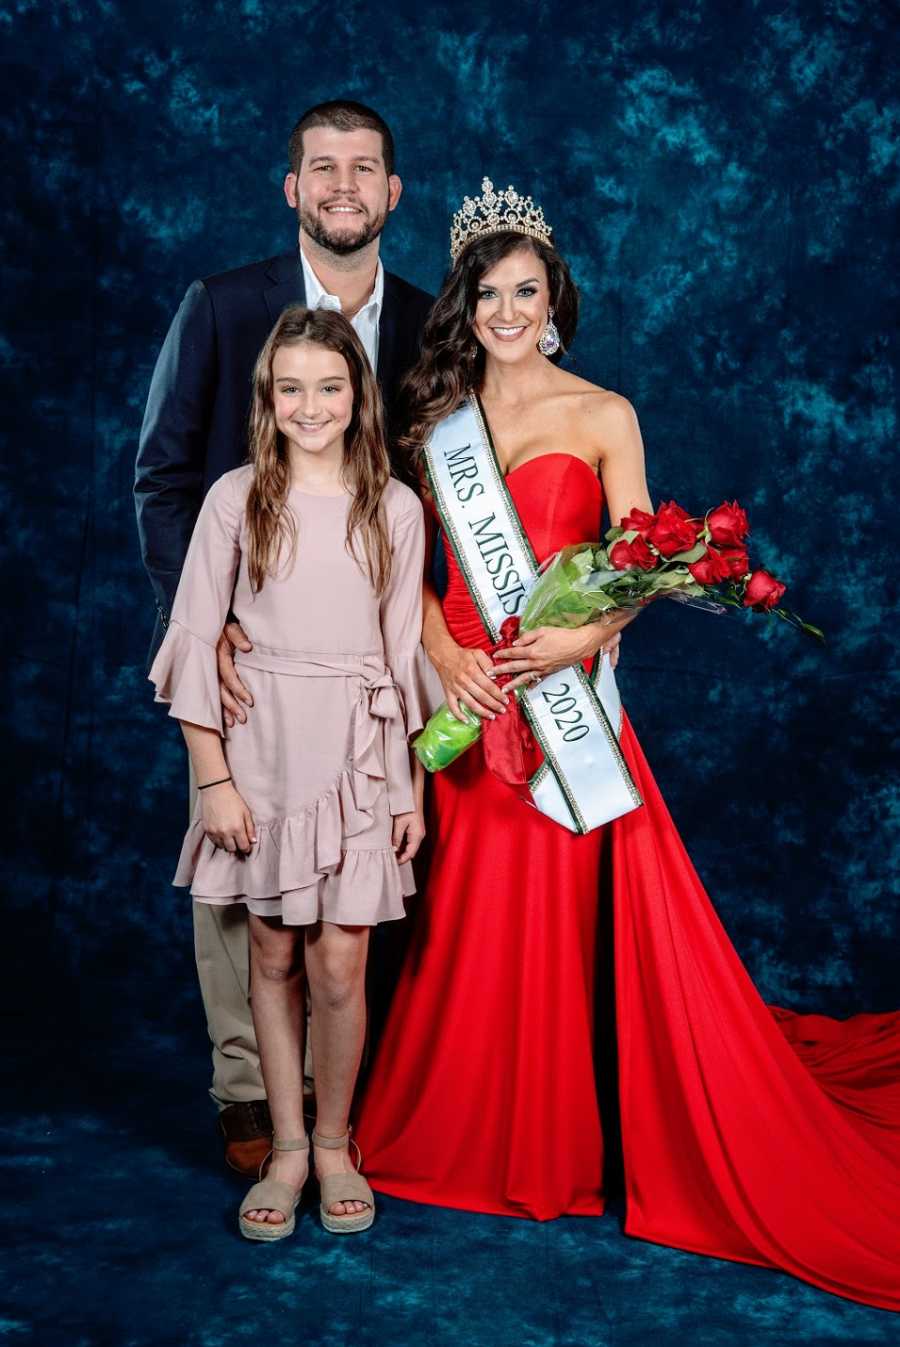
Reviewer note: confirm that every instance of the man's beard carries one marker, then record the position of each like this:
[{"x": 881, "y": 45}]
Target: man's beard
[{"x": 340, "y": 239}]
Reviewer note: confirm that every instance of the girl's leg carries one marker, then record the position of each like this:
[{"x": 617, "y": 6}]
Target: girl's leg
[
  {"x": 278, "y": 1002},
  {"x": 336, "y": 969}
]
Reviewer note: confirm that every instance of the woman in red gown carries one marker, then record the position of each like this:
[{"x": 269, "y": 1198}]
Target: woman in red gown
[{"x": 748, "y": 1132}]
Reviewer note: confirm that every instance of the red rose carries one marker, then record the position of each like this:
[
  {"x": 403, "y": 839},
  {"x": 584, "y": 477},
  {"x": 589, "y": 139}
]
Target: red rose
[
  {"x": 625, "y": 556},
  {"x": 727, "y": 524},
  {"x": 720, "y": 563},
  {"x": 673, "y": 531},
  {"x": 735, "y": 561},
  {"x": 639, "y": 520},
  {"x": 710, "y": 569},
  {"x": 763, "y": 591}
]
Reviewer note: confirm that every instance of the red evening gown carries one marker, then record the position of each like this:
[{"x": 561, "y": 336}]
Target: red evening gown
[{"x": 748, "y": 1132}]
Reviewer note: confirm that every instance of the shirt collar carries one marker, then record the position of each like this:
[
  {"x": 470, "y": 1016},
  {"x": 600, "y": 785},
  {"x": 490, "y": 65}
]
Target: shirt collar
[{"x": 316, "y": 292}]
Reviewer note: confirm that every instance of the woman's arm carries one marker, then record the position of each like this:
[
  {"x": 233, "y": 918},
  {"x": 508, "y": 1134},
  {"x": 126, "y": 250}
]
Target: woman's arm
[
  {"x": 622, "y": 469},
  {"x": 465, "y": 673},
  {"x": 610, "y": 421}
]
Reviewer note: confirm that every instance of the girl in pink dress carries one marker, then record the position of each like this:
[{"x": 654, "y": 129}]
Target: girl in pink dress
[{"x": 310, "y": 812}]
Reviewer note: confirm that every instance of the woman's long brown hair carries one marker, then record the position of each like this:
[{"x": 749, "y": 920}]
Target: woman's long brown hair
[
  {"x": 451, "y": 363},
  {"x": 270, "y": 521}
]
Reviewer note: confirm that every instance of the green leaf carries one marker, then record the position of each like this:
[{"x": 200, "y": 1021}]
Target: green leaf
[
  {"x": 694, "y": 554},
  {"x": 674, "y": 580},
  {"x": 581, "y": 564},
  {"x": 723, "y": 596}
]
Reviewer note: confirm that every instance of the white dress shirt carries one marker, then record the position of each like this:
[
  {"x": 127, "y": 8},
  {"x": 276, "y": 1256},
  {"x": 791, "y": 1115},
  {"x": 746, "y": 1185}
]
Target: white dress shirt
[{"x": 365, "y": 322}]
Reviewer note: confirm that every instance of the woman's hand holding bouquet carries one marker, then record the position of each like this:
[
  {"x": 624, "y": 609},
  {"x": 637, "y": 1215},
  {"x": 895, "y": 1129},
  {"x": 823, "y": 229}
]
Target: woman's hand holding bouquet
[
  {"x": 670, "y": 554},
  {"x": 545, "y": 650},
  {"x": 467, "y": 676}
]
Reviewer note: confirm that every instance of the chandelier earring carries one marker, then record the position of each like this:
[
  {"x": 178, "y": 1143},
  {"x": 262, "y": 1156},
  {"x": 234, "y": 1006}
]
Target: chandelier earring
[{"x": 549, "y": 342}]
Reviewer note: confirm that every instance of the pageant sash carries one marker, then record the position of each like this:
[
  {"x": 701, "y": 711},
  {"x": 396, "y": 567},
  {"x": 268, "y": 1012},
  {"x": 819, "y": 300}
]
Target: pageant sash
[{"x": 584, "y": 780}]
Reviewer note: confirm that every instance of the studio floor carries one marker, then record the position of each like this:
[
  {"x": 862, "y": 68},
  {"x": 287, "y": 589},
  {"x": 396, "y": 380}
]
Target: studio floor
[{"x": 122, "y": 1232}]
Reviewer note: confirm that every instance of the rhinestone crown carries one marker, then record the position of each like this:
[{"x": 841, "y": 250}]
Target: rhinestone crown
[{"x": 494, "y": 213}]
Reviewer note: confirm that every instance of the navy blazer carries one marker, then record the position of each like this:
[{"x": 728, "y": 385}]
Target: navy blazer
[{"x": 195, "y": 424}]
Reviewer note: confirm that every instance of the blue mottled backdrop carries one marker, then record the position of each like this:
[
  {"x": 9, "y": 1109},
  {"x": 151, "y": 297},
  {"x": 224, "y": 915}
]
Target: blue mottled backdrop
[{"x": 723, "y": 180}]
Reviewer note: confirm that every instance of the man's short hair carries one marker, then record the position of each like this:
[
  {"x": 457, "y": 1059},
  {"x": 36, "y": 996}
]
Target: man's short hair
[{"x": 341, "y": 114}]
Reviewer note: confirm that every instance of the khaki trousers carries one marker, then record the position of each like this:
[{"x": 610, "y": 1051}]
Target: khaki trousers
[{"x": 222, "y": 950}]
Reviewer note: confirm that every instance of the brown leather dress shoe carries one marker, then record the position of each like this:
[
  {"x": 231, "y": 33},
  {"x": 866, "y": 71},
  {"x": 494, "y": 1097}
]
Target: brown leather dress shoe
[{"x": 247, "y": 1129}]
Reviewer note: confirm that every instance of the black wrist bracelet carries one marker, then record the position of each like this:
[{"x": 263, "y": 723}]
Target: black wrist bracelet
[{"x": 214, "y": 783}]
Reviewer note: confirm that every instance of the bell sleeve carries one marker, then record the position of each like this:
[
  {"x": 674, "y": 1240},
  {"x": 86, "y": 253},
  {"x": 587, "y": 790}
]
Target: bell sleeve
[
  {"x": 185, "y": 672},
  {"x": 401, "y": 621}
]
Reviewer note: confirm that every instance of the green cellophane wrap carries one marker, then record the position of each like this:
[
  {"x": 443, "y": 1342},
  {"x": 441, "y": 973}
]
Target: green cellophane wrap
[{"x": 444, "y": 738}]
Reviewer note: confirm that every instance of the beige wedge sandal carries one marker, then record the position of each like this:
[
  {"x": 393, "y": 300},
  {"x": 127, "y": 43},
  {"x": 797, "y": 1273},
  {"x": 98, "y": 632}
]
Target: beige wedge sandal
[
  {"x": 344, "y": 1188},
  {"x": 273, "y": 1195}
]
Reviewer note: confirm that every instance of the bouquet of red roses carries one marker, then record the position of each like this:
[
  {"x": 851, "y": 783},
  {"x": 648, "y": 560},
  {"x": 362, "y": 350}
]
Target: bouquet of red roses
[
  {"x": 701, "y": 561},
  {"x": 669, "y": 554}
]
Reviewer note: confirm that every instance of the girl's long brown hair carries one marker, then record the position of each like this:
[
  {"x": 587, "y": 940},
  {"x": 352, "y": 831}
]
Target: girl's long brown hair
[
  {"x": 451, "y": 363},
  {"x": 270, "y": 521}
]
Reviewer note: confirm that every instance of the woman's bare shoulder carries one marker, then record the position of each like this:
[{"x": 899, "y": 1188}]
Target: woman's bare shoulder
[
  {"x": 592, "y": 401},
  {"x": 606, "y": 416}
]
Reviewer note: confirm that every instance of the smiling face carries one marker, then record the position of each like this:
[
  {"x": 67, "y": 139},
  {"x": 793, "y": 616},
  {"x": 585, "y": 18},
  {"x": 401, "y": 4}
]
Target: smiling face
[
  {"x": 313, "y": 398},
  {"x": 342, "y": 193},
  {"x": 512, "y": 306}
]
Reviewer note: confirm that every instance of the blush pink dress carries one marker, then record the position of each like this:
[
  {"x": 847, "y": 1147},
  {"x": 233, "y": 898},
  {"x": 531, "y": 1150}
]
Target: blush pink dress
[{"x": 339, "y": 683}]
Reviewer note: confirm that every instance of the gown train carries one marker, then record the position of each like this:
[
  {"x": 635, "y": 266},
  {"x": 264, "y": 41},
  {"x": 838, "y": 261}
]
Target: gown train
[{"x": 748, "y": 1132}]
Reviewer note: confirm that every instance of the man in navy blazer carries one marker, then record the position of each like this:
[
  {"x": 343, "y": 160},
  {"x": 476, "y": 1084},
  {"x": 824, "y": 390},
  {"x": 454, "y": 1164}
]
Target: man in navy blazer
[{"x": 342, "y": 185}]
